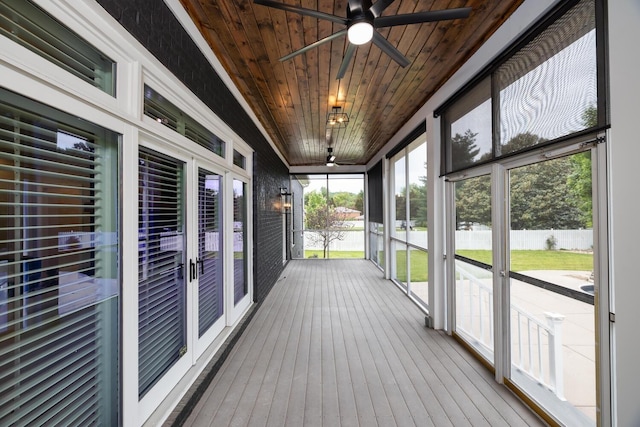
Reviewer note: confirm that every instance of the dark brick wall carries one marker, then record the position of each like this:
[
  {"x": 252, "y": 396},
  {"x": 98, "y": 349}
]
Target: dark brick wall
[{"x": 154, "y": 26}]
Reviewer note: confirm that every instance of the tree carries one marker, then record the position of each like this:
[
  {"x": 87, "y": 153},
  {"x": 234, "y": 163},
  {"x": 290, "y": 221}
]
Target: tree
[
  {"x": 521, "y": 141},
  {"x": 464, "y": 149},
  {"x": 326, "y": 223},
  {"x": 539, "y": 197},
  {"x": 579, "y": 181},
  {"x": 473, "y": 202},
  {"x": 542, "y": 195}
]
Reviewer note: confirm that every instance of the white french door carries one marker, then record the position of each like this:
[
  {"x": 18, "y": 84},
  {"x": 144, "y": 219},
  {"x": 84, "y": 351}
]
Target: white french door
[
  {"x": 206, "y": 267},
  {"x": 193, "y": 262}
]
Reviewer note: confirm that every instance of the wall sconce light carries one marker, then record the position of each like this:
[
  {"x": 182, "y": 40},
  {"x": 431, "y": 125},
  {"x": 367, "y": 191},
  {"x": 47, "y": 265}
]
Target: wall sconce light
[
  {"x": 285, "y": 200},
  {"x": 336, "y": 119}
]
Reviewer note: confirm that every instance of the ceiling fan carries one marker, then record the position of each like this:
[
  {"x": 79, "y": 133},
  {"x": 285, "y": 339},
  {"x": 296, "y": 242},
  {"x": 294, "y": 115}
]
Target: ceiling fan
[
  {"x": 362, "y": 18},
  {"x": 332, "y": 161}
]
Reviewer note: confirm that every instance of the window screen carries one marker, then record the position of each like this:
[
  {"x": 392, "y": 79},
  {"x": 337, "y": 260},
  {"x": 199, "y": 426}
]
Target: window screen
[
  {"x": 548, "y": 89},
  {"x": 374, "y": 182},
  {"x": 545, "y": 90}
]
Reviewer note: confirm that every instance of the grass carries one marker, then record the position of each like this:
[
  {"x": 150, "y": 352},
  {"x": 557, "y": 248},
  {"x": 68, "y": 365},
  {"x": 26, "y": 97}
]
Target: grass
[
  {"x": 520, "y": 260},
  {"x": 538, "y": 260},
  {"x": 334, "y": 254}
]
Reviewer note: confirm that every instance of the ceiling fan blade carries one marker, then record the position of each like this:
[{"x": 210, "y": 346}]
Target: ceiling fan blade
[
  {"x": 420, "y": 17},
  {"x": 315, "y": 44},
  {"x": 379, "y": 7},
  {"x": 302, "y": 11},
  {"x": 351, "y": 48},
  {"x": 389, "y": 49}
]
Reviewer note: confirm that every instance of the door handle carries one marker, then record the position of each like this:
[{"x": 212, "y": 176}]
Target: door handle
[{"x": 193, "y": 271}]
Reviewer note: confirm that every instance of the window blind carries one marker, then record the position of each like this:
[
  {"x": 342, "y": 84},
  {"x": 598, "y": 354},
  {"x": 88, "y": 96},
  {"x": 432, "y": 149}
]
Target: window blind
[
  {"x": 161, "y": 251},
  {"x": 240, "y": 283},
  {"x": 58, "y": 268},
  {"x": 28, "y": 25},
  {"x": 210, "y": 285}
]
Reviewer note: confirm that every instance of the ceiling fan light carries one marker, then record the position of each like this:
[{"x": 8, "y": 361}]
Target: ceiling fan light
[{"x": 360, "y": 33}]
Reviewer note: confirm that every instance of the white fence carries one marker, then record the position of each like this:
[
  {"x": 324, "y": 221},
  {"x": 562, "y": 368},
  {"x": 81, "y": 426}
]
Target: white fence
[
  {"x": 473, "y": 239},
  {"x": 528, "y": 239}
]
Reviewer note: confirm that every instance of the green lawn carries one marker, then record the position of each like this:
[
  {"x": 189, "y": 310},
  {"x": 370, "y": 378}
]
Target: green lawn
[
  {"x": 334, "y": 254},
  {"x": 520, "y": 260},
  {"x": 538, "y": 260}
]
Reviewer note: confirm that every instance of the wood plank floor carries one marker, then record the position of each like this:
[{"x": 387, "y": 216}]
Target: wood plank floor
[{"x": 334, "y": 344}]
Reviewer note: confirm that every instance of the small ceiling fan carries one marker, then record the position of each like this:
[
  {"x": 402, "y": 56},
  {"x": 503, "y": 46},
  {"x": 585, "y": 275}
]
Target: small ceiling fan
[
  {"x": 332, "y": 161},
  {"x": 362, "y": 18}
]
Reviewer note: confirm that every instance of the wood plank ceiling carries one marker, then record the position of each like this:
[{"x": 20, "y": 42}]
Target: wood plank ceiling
[{"x": 292, "y": 98}]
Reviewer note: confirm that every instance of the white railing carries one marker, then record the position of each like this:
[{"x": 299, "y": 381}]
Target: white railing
[
  {"x": 529, "y": 335},
  {"x": 476, "y": 304},
  {"x": 532, "y": 336}
]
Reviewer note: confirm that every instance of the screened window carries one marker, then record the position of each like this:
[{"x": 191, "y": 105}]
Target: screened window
[
  {"x": 59, "y": 274},
  {"x": 164, "y": 112},
  {"x": 409, "y": 232},
  {"x": 542, "y": 93},
  {"x": 161, "y": 260},
  {"x": 549, "y": 90},
  {"x": 468, "y": 128},
  {"x": 26, "y": 24}
]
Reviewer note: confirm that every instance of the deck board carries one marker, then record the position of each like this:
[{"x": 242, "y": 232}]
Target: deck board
[{"x": 336, "y": 344}]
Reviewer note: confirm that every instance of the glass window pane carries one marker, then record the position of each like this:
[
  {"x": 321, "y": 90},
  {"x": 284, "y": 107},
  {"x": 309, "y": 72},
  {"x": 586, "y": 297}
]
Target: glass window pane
[
  {"x": 552, "y": 304},
  {"x": 27, "y": 24},
  {"x": 210, "y": 238},
  {"x": 548, "y": 89},
  {"x": 167, "y": 114},
  {"x": 161, "y": 261},
  {"x": 239, "y": 160},
  {"x": 59, "y": 267},
  {"x": 240, "y": 279}
]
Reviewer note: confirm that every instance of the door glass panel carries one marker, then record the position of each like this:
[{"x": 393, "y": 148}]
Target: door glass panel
[
  {"x": 473, "y": 251},
  {"x": 161, "y": 252},
  {"x": 59, "y": 268},
  {"x": 210, "y": 283},
  {"x": 552, "y": 288},
  {"x": 240, "y": 279}
]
